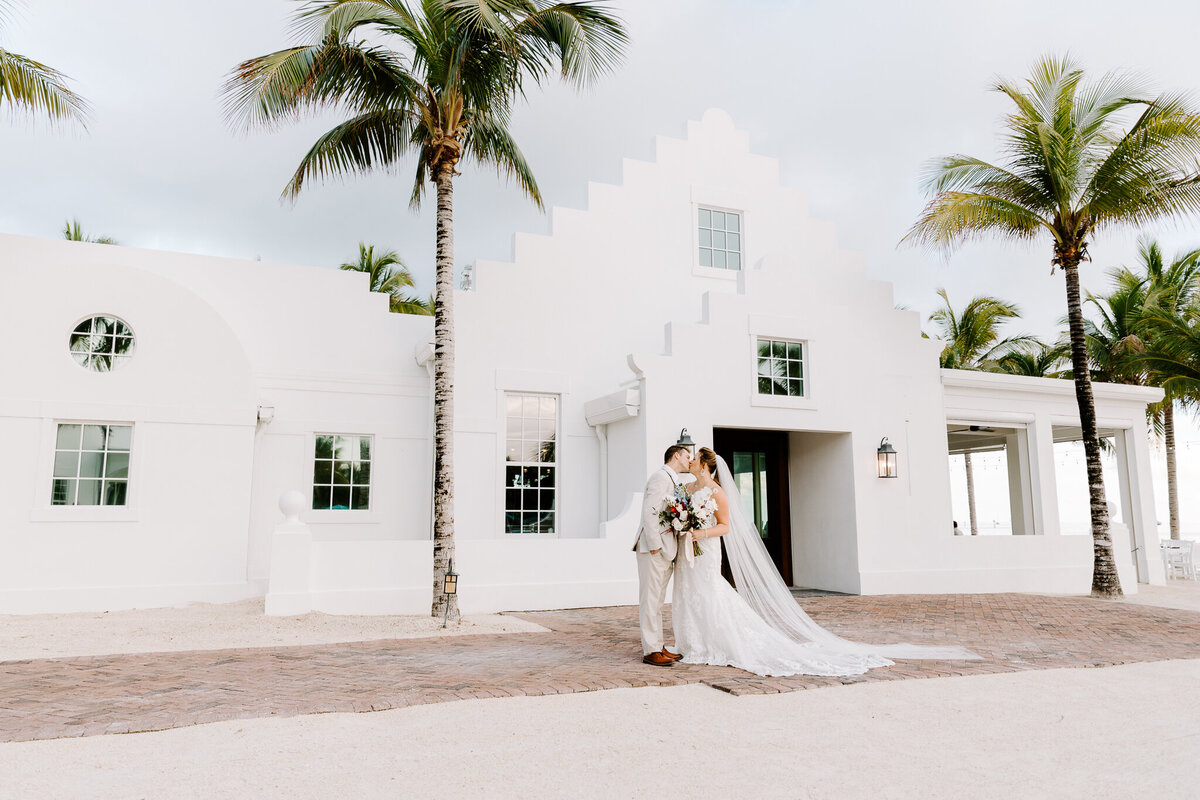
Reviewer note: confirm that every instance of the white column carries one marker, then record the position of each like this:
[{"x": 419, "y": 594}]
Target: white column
[
  {"x": 1042, "y": 478},
  {"x": 1020, "y": 507},
  {"x": 288, "y": 591},
  {"x": 1121, "y": 506},
  {"x": 1142, "y": 517}
]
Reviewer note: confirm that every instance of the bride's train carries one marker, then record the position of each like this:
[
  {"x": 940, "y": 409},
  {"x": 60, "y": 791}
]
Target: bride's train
[{"x": 760, "y": 627}]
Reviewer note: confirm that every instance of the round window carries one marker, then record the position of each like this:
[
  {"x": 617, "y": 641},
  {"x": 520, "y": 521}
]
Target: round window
[{"x": 101, "y": 344}]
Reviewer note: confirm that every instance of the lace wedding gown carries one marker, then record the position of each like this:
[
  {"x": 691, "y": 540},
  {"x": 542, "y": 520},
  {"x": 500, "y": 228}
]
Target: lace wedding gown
[
  {"x": 759, "y": 627},
  {"x": 714, "y": 625}
]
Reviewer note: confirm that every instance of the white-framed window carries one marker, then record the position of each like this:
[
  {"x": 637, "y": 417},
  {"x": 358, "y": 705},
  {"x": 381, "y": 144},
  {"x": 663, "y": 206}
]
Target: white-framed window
[
  {"x": 531, "y": 463},
  {"x": 91, "y": 465},
  {"x": 720, "y": 239},
  {"x": 780, "y": 367},
  {"x": 341, "y": 472},
  {"x": 101, "y": 343}
]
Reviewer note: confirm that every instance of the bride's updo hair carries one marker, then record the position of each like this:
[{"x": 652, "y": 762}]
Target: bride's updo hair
[{"x": 709, "y": 461}]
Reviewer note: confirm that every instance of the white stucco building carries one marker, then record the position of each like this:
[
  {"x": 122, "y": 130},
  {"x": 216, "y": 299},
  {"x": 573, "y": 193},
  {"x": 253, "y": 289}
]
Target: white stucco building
[{"x": 157, "y": 405}]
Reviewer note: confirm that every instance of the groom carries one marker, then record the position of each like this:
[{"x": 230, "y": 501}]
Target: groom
[{"x": 656, "y": 548}]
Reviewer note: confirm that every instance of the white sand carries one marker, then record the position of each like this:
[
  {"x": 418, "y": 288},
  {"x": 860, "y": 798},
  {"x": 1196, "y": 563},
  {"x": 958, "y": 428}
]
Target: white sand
[
  {"x": 1179, "y": 594},
  {"x": 1118, "y": 732},
  {"x": 206, "y": 626}
]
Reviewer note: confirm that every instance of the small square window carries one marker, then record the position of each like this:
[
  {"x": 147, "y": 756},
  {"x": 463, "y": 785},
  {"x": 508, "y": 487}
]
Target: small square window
[
  {"x": 87, "y": 471},
  {"x": 780, "y": 368},
  {"x": 719, "y": 239},
  {"x": 341, "y": 472}
]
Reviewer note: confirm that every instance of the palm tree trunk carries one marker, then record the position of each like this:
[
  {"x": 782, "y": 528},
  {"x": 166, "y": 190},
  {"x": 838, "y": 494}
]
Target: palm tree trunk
[
  {"x": 1104, "y": 569},
  {"x": 1172, "y": 486},
  {"x": 971, "y": 494},
  {"x": 443, "y": 393}
]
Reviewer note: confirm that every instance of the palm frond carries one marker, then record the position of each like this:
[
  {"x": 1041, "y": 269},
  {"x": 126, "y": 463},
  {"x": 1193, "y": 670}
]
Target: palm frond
[
  {"x": 419, "y": 306},
  {"x": 1034, "y": 359},
  {"x": 282, "y": 86},
  {"x": 1150, "y": 170},
  {"x": 318, "y": 20},
  {"x": 584, "y": 38},
  {"x": 954, "y": 217},
  {"x": 27, "y": 85},
  {"x": 491, "y": 143},
  {"x": 960, "y": 173},
  {"x": 388, "y": 274},
  {"x": 1175, "y": 356},
  {"x": 971, "y": 336},
  {"x": 73, "y": 232},
  {"x": 375, "y": 140}
]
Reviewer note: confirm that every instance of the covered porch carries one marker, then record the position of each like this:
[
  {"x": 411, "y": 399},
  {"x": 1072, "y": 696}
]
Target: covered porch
[{"x": 1018, "y": 479}]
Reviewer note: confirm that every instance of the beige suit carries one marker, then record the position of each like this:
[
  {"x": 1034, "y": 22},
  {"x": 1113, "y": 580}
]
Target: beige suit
[{"x": 654, "y": 569}]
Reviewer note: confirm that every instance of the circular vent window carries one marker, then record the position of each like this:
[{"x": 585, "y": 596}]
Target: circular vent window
[{"x": 101, "y": 344}]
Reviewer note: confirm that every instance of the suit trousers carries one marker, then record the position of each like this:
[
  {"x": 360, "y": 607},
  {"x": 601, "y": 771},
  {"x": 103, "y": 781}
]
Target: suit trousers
[{"x": 654, "y": 572}]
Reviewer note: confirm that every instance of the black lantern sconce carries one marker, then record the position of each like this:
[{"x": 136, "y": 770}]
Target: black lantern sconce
[
  {"x": 449, "y": 588},
  {"x": 885, "y": 459},
  {"x": 686, "y": 441}
]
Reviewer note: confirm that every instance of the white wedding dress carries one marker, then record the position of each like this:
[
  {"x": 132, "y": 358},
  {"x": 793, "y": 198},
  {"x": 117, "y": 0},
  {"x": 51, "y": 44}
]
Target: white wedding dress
[{"x": 759, "y": 627}]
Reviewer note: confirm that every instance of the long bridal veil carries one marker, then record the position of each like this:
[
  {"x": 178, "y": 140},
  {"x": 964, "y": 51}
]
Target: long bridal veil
[{"x": 760, "y": 585}]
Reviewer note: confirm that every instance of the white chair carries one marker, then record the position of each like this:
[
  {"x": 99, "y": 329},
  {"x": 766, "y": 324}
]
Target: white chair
[{"x": 1177, "y": 557}]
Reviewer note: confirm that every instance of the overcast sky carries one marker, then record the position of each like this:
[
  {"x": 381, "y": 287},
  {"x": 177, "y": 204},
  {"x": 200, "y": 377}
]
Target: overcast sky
[{"x": 852, "y": 97}]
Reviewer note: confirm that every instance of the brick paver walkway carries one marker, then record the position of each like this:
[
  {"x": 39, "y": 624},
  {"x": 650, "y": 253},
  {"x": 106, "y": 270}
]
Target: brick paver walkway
[{"x": 588, "y": 649}]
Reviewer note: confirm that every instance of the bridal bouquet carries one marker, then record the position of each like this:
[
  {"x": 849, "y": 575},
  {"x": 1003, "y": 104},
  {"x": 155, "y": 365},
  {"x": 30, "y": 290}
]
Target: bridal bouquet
[
  {"x": 683, "y": 515},
  {"x": 704, "y": 512}
]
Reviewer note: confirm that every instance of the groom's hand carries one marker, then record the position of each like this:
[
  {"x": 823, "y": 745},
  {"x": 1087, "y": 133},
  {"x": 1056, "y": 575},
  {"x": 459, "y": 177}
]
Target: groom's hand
[{"x": 655, "y": 552}]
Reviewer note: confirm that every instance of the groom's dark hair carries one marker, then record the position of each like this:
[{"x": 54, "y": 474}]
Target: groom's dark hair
[{"x": 671, "y": 451}]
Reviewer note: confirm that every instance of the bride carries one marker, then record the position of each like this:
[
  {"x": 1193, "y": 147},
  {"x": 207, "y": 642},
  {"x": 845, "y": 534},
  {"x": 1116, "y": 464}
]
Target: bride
[{"x": 758, "y": 627}]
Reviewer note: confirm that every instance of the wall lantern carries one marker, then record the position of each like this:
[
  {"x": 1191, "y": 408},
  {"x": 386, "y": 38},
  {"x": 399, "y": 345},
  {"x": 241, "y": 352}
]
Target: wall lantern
[
  {"x": 885, "y": 459},
  {"x": 449, "y": 588},
  {"x": 686, "y": 441}
]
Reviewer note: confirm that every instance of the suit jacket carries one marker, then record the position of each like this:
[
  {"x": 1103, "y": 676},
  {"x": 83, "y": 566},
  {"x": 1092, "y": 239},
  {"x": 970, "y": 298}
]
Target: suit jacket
[{"x": 651, "y": 534}]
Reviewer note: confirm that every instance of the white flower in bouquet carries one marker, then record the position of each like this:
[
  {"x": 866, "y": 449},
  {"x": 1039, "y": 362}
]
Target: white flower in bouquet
[{"x": 674, "y": 511}]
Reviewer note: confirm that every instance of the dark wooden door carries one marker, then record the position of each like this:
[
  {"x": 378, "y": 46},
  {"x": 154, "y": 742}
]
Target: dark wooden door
[{"x": 759, "y": 463}]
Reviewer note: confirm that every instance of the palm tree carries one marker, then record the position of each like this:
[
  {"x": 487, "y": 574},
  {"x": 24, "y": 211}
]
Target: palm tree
[
  {"x": 437, "y": 79},
  {"x": 972, "y": 341},
  {"x": 390, "y": 276},
  {"x": 1114, "y": 338},
  {"x": 1170, "y": 287},
  {"x": 1037, "y": 360},
  {"x": 972, "y": 336},
  {"x": 1070, "y": 170},
  {"x": 1174, "y": 357},
  {"x": 27, "y": 85},
  {"x": 73, "y": 232}
]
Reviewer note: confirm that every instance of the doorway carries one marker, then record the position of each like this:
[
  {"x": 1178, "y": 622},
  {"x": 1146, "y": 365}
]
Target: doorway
[{"x": 759, "y": 463}]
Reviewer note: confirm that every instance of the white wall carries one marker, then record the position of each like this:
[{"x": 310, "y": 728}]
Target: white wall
[
  {"x": 216, "y": 338},
  {"x": 521, "y": 574},
  {"x": 189, "y": 395},
  {"x": 824, "y": 530}
]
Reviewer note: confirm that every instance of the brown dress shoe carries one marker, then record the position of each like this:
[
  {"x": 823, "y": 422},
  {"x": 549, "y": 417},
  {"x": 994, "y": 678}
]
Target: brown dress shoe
[
  {"x": 658, "y": 660},
  {"x": 672, "y": 656}
]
